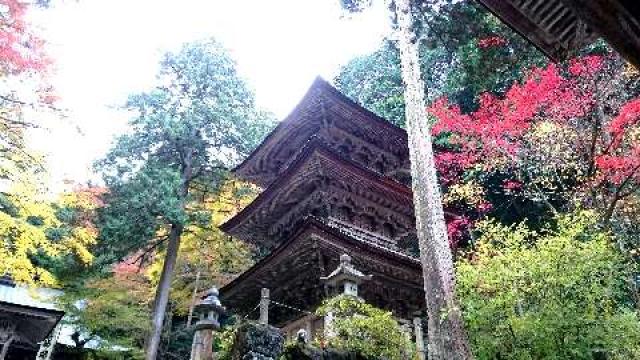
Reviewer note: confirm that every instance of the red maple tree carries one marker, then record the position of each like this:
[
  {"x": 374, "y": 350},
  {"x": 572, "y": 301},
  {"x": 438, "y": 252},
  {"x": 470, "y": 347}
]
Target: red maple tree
[{"x": 592, "y": 114}]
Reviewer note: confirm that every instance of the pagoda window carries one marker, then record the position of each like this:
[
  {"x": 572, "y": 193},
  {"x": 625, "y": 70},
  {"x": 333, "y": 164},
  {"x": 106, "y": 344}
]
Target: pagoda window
[
  {"x": 363, "y": 158},
  {"x": 367, "y": 222},
  {"x": 388, "y": 230},
  {"x": 319, "y": 212},
  {"x": 346, "y": 148},
  {"x": 409, "y": 243},
  {"x": 403, "y": 177},
  {"x": 344, "y": 213}
]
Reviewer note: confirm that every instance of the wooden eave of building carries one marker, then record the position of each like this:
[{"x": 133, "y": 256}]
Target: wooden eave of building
[
  {"x": 293, "y": 270},
  {"x": 560, "y": 28},
  {"x": 618, "y": 21},
  {"x": 34, "y": 324},
  {"x": 322, "y": 107},
  {"x": 550, "y": 25},
  {"x": 304, "y": 178}
]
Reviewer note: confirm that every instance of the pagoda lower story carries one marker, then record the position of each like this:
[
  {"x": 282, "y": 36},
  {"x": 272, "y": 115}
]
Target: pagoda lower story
[
  {"x": 293, "y": 274},
  {"x": 335, "y": 179}
]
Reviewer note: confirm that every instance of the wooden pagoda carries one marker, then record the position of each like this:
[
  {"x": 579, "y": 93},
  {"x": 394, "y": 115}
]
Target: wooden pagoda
[{"x": 335, "y": 179}]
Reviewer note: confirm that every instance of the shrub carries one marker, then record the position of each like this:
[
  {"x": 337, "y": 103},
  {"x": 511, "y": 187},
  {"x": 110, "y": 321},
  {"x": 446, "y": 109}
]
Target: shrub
[
  {"x": 558, "y": 295},
  {"x": 363, "y": 329}
]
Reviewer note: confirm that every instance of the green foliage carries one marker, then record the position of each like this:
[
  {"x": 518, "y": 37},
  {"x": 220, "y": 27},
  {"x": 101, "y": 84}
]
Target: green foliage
[
  {"x": 375, "y": 80},
  {"x": 114, "y": 311},
  {"x": 452, "y": 59},
  {"x": 223, "y": 342},
  {"x": 139, "y": 210},
  {"x": 558, "y": 295},
  {"x": 365, "y": 329},
  {"x": 197, "y": 122},
  {"x": 206, "y": 249}
]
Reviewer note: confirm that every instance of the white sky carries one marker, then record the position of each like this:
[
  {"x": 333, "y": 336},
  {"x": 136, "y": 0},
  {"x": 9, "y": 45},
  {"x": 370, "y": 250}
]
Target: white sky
[{"x": 106, "y": 49}]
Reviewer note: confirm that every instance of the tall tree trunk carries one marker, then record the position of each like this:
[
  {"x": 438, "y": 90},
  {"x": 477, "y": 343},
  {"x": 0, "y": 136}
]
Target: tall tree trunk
[
  {"x": 162, "y": 292},
  {"x": 446, "y": 335},
  {"x": 164, "y": 286}
]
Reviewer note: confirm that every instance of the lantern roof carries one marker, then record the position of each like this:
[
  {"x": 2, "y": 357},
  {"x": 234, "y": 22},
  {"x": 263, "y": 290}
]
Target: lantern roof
[{"x": 345, "y": 272}]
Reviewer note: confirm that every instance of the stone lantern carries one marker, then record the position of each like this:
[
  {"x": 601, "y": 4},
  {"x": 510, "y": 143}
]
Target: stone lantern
[
  {"x": 346, "y": 278},
  {"x": 209, "y": 310}
]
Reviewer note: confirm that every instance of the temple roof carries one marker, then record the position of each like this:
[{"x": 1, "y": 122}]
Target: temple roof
[
  {"x": 320, "y": 182},
  {"x": 549, "y": 24},
  {"x": 561, "y": 27},
  {"x": 33, "y": 324},
  {"x": 293, "y": 271},
  {"x": 326, "y": 113}
]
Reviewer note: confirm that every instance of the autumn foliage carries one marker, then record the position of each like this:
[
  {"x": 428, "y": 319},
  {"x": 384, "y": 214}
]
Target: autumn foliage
[
  {"x": 20, "y": 49},
  {"x": 549, "y": 139}
]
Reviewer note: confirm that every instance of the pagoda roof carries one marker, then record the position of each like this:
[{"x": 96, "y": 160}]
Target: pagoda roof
[
  {"x": 284, "y": 202},
  {"x": 293, "y": 270},
  {"x": 321, "y": 107}
]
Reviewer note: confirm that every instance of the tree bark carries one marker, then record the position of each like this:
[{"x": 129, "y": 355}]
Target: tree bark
[
  {"x": 162, "y": 292},
  {"x": 446, "y": 335},
  {"x": 164, "y": 286}
]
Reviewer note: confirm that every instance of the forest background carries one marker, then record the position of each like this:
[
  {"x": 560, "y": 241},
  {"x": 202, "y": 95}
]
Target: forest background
[{"x": 539, "y": 164}]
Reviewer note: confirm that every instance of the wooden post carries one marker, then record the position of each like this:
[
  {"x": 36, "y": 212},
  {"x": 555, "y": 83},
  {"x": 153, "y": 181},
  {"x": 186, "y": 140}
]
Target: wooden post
[
  {"x": 5, "y": 347},
  {"x": 264, "y": 306},
  {"x": 417, "y": 330}
]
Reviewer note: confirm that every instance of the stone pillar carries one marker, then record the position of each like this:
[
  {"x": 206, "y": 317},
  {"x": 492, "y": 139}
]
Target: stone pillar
[
  {"x": 264, "y": 306},
  {"x": 209, "y": 310},
  {"x": 417, "y": 328}
]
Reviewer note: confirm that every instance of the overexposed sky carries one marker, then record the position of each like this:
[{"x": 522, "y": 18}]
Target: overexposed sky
[{"x": 106, "y": 49}]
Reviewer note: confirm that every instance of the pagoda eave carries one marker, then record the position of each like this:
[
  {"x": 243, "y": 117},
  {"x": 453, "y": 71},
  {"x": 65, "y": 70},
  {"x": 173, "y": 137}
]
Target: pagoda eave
[
  {"x": 560, "y": 28},
  {"x": 293, "y": 270},
  {"x": 306, "y": 188},
  {"x": 323, "y": 109}
]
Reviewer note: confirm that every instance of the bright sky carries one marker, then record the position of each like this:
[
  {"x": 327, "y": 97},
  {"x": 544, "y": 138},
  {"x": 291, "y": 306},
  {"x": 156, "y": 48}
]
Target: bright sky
[{"x": 106, "y": 49}]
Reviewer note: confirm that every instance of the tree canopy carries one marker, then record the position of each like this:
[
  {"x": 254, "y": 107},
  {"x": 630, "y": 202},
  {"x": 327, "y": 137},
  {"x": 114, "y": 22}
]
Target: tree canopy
[
  {"x": 185, "y": 133},
  {"x": 557, "y": 294}
]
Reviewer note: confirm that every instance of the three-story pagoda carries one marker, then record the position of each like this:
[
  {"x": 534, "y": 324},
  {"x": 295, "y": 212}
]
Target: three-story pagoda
[{"x": 335, "y": 179}]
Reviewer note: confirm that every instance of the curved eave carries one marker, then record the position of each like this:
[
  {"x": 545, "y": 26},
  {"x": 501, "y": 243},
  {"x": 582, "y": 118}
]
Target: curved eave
[
  {"x": 312, "y": 147},
  {"x": 311, "y": 224},
  {"x": 318, "y": 89}
]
